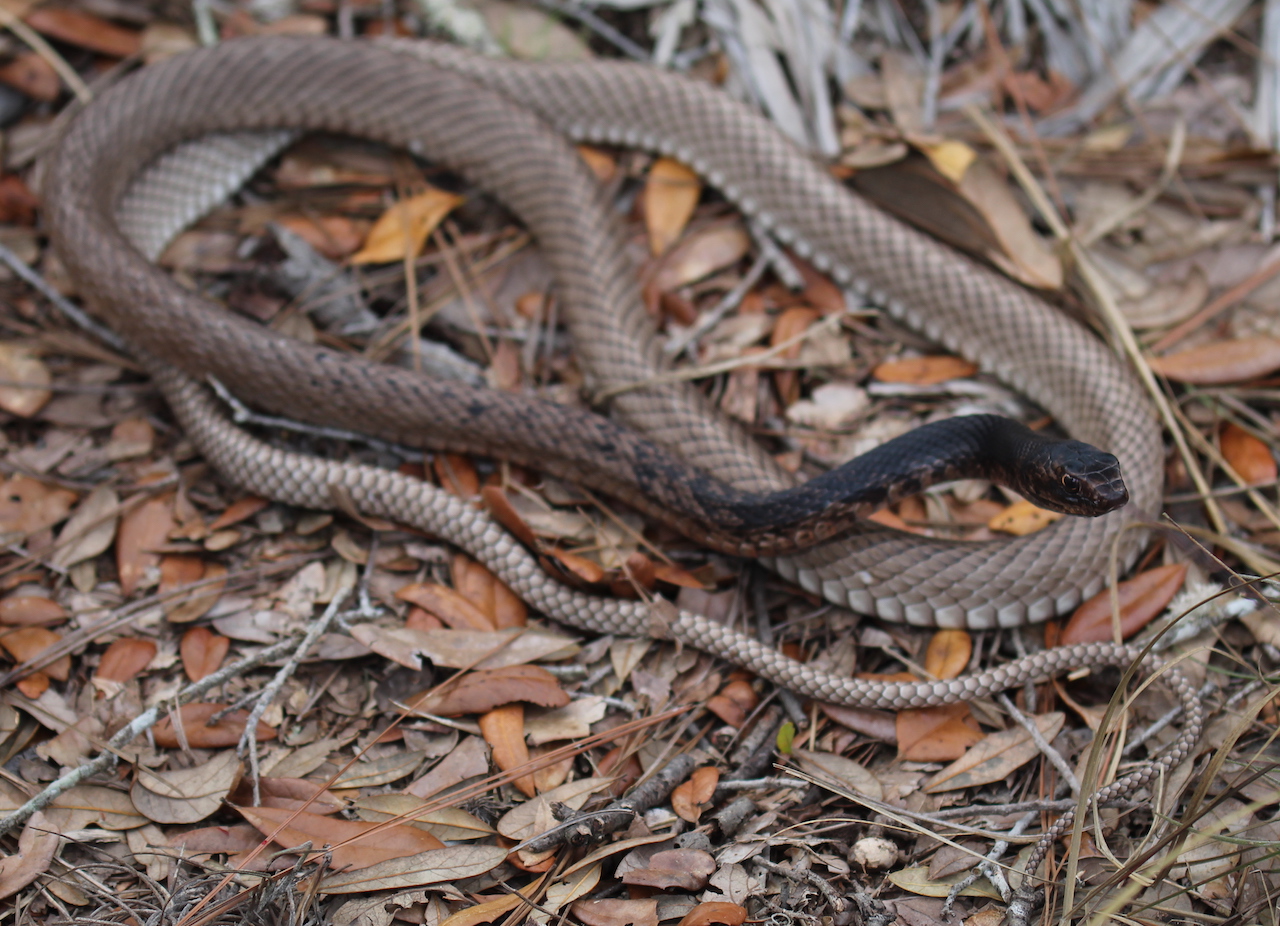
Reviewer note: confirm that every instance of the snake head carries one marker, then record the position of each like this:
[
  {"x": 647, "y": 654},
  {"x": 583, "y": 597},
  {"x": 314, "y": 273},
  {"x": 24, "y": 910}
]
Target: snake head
[{"x": 1076, "y": 478}]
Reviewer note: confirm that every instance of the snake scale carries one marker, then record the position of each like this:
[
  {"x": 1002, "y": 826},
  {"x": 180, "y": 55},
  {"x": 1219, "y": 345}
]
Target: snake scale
[{"x": 505, "y": 127}]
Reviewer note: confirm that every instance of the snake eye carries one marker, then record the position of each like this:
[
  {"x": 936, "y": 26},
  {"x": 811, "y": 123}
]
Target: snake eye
[{"x": 1070, "y": 483}]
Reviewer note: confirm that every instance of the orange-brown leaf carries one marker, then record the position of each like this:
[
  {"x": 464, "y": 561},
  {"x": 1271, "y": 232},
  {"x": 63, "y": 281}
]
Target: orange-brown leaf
[
  {"x": 948, "y": 653},
  {"x": 924, "y": 371},
  {"x": 27, "y": 505},
  {"x": 240, "y": 510},
  {"x": 587, "y": 570},
  {"x": 25, "y": 644},
  {"x": 1250, "y": 457},
  {"x": 715, "y": 911},
  {"x": 142, "y": 531},
  {"x": 447, "y": 604},
  {"x": 1141, "y": 598},
  {"x": 356, "y": 844},
  {"x": 671, "y": 193},
  {"x": 456, "y": 475},
  {"x": 503, "y": 729},
  {"x": 488, "y": 593},
  {"x": 125, "y": 658},
  {"x": 617, "y": 911},
  {"x": 199, "y": 734},
  {"x": 404, "y": 227},
  {"x": 202, "y": 652},
  {"x": 85, "y": 30},
  {"x": 495, "y": 499},
  {"x": 28, "y": 610},
  {"x": 936, "y": 734},
  {"x": 692, "y": 797},
  {"x": 1221, "y": 362},
  {"x": 34, "y": 76},
  {"x": 1022, "y": 518}
]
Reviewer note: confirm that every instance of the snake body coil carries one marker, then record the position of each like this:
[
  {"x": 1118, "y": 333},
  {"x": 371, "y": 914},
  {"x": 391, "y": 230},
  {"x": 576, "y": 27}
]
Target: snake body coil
[{"x": 503, "y": 125}]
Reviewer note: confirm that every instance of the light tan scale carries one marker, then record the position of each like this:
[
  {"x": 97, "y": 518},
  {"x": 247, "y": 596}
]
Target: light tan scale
[{"x": 112, "y": 207}]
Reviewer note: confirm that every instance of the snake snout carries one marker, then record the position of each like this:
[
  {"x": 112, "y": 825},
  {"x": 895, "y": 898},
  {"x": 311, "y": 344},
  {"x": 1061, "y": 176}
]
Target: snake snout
[{"x": 1086, "y": 481}]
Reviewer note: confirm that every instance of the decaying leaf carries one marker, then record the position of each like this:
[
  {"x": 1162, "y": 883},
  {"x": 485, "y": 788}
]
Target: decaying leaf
[
  {"x": 484, "y": 689},
  {"x": 1221, "y": 362},
  {"x": 37, "y": 845},
  {"x": 671, "y": 192},
  {"x": 434, "y": 866},
  {"x": 404, "y": 227},
  {"x": 503, "y": 729},
  {"x": 200, "y": 734},
  {"x": 1140, "y": 599},
  {"x": 186, "y": 795},
  {"x": 355, "y": 844},
  {"x": 996, "y": 756}
]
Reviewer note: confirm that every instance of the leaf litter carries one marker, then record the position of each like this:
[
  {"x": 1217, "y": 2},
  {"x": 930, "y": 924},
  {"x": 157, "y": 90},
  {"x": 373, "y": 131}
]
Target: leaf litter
[{"x": 156, "y": 575}]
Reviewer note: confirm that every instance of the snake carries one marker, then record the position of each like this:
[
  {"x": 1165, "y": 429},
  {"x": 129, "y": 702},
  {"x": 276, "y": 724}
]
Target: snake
[{"x": 128, "y": 174}]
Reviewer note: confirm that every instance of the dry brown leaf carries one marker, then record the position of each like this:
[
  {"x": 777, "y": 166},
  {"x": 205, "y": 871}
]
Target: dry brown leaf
[
  {"x": 434, "y": 866},
  {"x": 27, "y": 505},
  {"x": 290, "y": 794},
  {"x": 85, "y": 30},
  {"x": 682, "y": 869},
  {"x": 37, "y": 845},
  {"x": 671, "y": 193},
  {"x": 1141, "y": 598},
  {"x": 996, "y": 756},
  {"x": 585, "y": 570},
  {"x": 25, "y": 387},
  {"x": 240, "y": 510},
  {"x": 1025, "y": 257},
  {"x": 90, "y": 530},
  {"x": 487, "y": 592},
  {"x": 734, "y": 702},
  {"x": 602, "y": 164},
  {"x": 845, "y": 771},
  {"x": 142, "y": 531},
  {"x": 200, "y": 735},
  {"x": 714, "y": 911},
  {"x": 450, "y": 824},
  {"x": 484, "y": 689},
  {"x": 403, "y": 229},
  {"x": 447, "y": 604},
  {"x": 196, "y": 604},
  {"x": 25, "y": 644},
  {"x": 503, "y": 729},
  {"x": 355, "y": 844},
  {"x": 456, "y": 475},
  {"x": 617, "y": 912},
  {"x": 692, "y": 797},
  {"x": 216, "y": 840},
  {"x": 499, "y": 505},
  {"x": 793, "y": 322},
  {"x": 33, "y": 75},
  {"x": 1022, "y": 518},
  {"x": 125, "y": 658},
  {"x": 924, "y": 371},
  {"x": 1250, "y": 457},
  {"x": 31, "y": 610},
  {"x": 948, "y": 653},
  {"x": 185, "y": 795},
  {"x": 700, "y": 254},
  {"x": 202, "y": 652},
  {"x": 936, "y": 734},
  {"x": 131, "y": 438},
  {"x": 490, "y": 911},
  {"x": 1221, "y": 362}
]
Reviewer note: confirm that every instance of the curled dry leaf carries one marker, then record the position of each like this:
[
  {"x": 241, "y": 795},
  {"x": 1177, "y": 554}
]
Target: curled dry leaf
[
  {"x": 125, "y": 658},
  {"x": 1221, "y": 362},
  {"x": 671, "y": 192},
  {"x": 200, "y": 735},
  {"x": 26, "y": 381},
  {"x": 403, "y": 229},
  {"x": 356, "y": 844},
  {"x": 1141, "y": 599},
  {"x": 202, "y": 652},
  {"x": 702, "y": 253},
  {"x": 1250, "y": 457}
]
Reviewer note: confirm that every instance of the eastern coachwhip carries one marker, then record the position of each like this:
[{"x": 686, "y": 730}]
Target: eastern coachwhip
[{"x": 502, "y": 125}]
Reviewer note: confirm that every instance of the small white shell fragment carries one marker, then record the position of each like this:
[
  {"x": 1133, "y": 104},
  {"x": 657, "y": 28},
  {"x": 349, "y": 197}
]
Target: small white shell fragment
[{"x": 874, "y": 853}]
